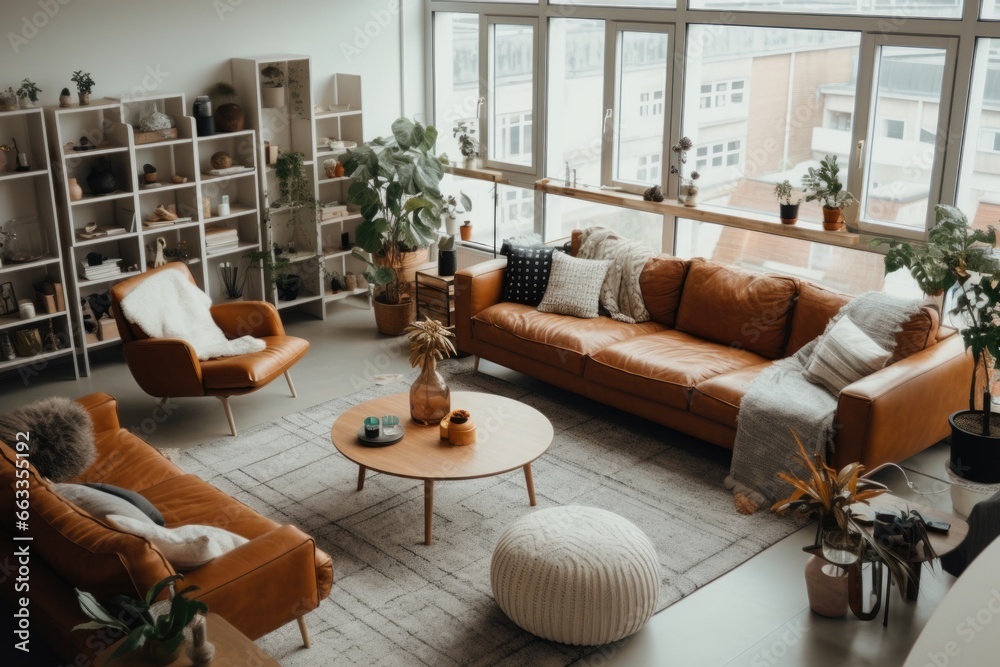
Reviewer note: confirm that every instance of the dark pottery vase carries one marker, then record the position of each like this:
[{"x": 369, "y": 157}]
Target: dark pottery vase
[
  {"x": 447, "y": 262},
  {"x": 101, "y": 181},
  {"x": 974, "y": 456},
  {"x": 229, "y": 118},
  {"x": 288, "y": 287}
]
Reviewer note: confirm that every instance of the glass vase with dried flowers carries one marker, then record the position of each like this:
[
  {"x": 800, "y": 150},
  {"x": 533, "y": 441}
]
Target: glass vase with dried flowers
[{"x": 430, "y": 398}]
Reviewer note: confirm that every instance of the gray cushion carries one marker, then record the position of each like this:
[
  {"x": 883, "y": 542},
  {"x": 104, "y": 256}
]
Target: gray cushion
[
  {"x": 574, "y": 286},
  {"x": 99, "y": 504},
  {"x": 139, "y": 501}
]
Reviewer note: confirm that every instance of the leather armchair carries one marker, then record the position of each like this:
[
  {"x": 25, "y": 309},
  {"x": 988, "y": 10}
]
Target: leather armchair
[{"x": 169, "y": 368}]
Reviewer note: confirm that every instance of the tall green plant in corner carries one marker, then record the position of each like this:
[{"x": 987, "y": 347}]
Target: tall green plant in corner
[
  {"x": 958, "y": 255},
  {"x": 396, "y": 185}
]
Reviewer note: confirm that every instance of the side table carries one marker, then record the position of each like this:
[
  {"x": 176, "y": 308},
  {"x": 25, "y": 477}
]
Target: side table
[
  {"x": 435, "y": 295},
  {"x": 232, "y": 649}
]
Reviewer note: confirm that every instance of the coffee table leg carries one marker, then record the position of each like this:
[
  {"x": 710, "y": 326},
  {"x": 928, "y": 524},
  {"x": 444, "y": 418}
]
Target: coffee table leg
[
  {"x": 531, "y": 484},
  {"x": 361, "y": 477},
  {"x": 428, "y": 510}
]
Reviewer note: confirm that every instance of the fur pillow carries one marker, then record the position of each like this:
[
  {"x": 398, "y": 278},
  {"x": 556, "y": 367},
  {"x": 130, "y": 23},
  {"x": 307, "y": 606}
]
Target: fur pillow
[{"x": 60, "y": 436}]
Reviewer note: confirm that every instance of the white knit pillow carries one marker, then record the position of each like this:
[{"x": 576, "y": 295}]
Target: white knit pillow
[
  {"x": 844, "y": 355},
  {"x": 185, "y": 547},
  {"x": 574, "y": 286}
]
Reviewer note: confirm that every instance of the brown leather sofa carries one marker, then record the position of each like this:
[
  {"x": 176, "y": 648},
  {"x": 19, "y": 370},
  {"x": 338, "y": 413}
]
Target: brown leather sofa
[
  {"x": 277, "y": 577},
  {"x": 169, "y": 368},
  {"x": 714, "y": 328}
]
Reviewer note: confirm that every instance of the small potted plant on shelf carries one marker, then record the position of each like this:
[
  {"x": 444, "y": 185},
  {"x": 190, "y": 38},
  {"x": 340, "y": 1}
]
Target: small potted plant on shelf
[
  {"x": 272, "y": 93},
  {"x": 396, "y": 185},
  {"x": 451, "y": 209},
  {"x": 155, "y": 627},
  {"x": 824, "y": 185},
  {"x": 28, "y": 93},
  {"x": 275, "y": 265},
  {"x": 64, "y": 99},
  {"x": 957, "y": 256},
  {"x": 788, "y": 211},
  {"x": 8, "y": 99},
  {"x": 467, "y": 145},
  {"x": 84, "y": 86},
  {"x": 229, "y": 116}
]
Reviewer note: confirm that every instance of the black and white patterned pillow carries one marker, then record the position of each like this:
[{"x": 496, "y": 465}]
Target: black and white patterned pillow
[{"x": 527, "y": 276}]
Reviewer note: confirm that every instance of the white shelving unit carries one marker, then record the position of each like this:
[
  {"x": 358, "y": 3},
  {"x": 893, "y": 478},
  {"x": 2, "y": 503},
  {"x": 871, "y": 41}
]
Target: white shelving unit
[
  {"x": 298, "y": 126},
  {"x": 28, "y": 195}
]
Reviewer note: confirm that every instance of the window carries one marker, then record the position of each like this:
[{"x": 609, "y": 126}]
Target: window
[
  {"x": 838, "y": 120},
  {"x": 910, "y": 8},
  {"x": 649, "y": 168},
  {"x": 563, "y": 215},
  {"x": 723, "y": 154},
  {"x": 651, "y": 104},
  {"x": 517, "y": 213},
  {"x": 722, "y": 94},
  {"x": 456, "y": 77},
  {"x": 900, "y": 185},
  {"x": 979, "y": 176},
  {"x": 641, "y": 74},
  {"x": 510, "y": 76}
]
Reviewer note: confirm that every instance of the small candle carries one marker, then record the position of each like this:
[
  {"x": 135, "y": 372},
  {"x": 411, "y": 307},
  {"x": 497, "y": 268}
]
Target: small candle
[
  {"x": 224, "y": 205},
  {"x": 372, "y": 427},
  {"x": 26, "y": 308}
]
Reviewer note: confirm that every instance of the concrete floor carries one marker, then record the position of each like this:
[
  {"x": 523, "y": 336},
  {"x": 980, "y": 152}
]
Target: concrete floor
[{"x": 756, "y": 615}]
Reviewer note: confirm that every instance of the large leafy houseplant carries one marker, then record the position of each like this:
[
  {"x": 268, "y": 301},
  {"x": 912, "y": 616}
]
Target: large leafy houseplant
[
  {"x": 958, "y": 256},
  {"x": 161, "y": 635},
  {"x": 396, "y": 185},
  {"x": 824, "y": 184}
]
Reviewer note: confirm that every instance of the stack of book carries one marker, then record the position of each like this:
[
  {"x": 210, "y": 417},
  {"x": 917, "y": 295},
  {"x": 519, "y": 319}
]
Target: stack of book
[
  {"x": 108, "y": 269},
  {"x": 221, "y": 239}
]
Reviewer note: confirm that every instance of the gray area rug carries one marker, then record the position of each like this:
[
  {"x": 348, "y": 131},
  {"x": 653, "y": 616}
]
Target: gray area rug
[{"x": 398, "y": 602}]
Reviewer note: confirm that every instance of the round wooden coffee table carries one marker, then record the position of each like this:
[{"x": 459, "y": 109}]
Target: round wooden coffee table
[{"x": 509, "y": 435}]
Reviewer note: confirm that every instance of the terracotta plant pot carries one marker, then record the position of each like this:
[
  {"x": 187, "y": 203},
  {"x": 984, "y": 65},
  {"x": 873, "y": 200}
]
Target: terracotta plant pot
[
  {"x": 229, "y": 118},
  {"x": 833, "y": 219},
  {"x": 789, "y": 213},
  {"x": 461, "y": 428},
  {"x": 392, "y": 319},
  {"x": 466, "y": 231}
]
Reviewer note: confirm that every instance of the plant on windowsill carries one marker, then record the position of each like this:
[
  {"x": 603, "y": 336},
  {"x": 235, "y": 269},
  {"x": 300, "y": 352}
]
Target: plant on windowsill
[
  {"x": 467, "y": 145},
  {"x": 396, "y": 184},
  {"x": 451, "y": 209},
  {"x": 159, "y": 632},
  {"x": 788, "y": 211},
  {"x": 958, "y": 256},
  {"x": 824, "y": 185}
]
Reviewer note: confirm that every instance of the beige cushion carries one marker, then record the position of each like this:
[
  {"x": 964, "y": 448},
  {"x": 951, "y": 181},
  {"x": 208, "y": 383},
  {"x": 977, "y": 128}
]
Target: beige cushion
[
  {"x": 574, "y": 286},
  {"x": 843, "y": 356},
  {"x": 186, "y": 547},
  {"x": 99, "y": 504}
]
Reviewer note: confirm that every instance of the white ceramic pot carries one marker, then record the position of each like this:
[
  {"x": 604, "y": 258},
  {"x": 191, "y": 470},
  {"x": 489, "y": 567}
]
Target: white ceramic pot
[
  {"x": 965, "y": 494},
  {"x": 271, "y": 98},
  {"x": 450, "y": 225}
]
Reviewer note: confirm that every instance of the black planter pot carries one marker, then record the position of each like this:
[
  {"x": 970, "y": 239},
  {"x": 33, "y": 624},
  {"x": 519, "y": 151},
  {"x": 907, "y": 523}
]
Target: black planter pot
[
  {"x": 974, "y": 456},
  {"x": 788, "y": 213},
  {"x": 288, "y": 287},
  {"x": 447, "y": 262},
  {"x": 101, "y": 181}
]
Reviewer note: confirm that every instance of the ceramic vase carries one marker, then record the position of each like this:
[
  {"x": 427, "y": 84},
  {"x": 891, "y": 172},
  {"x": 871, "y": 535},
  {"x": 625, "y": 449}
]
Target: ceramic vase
[
  {"x": 466, "y": 231},
  {"x": 101, "y": 181},
  {"x": 430, "y": 398},
  {"x": 84, "y": 99},
  {"x": 826, "y": 585},
  {"x": 75, "y": 191},
  {"x": 229, "y": 118}
]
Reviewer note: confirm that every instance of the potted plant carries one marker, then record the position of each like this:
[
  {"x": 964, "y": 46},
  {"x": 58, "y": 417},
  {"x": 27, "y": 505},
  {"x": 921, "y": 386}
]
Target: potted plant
[
  {"x": 84, "y": 86},
  {"x": 824, "y": 184},
  {"x": 788, "y": 212},
  {"x": 64, "y": 98},
  {"x": 430, "y": 398},
  {"x": 159, "y": 633},
  {"x": 295, "y": 189},
  {"x": 275, "y": 265},
  {"x": 396, "y": 185},
  {"x": 451, "y": 210},
  {"x": 228, "y": 116},
  {"x": 829, "y": 496},
  {"x": 28, "y": 93},
  {"x": 680, "y": 149},
  {"x": 467, "y": 145},
  {"x": 8, "y": 99},
  {"x": 466, "y": 230},
  {"x": 272, "y": 93},
  {"x": 960, "y": 257}
]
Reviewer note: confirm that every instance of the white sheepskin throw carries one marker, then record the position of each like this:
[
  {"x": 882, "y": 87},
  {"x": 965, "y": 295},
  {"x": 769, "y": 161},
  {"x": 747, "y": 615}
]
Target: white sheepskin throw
[{"x": 167, "y": 305}]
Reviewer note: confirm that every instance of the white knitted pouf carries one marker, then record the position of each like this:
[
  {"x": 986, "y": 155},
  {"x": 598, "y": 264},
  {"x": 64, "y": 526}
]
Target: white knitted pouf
[{"x": 576, "y": 575}]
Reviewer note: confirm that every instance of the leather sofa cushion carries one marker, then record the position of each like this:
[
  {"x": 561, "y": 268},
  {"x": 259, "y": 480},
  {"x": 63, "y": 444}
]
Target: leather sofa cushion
[
  {"x": 718, "y": 398},
  {"x": 254, "y": 370},
  {"x": 84, "y": 551},
  {"x": 737, "y": 308},
  {"x": 125, "y": 460},
  {"x": 816, "y": 306},
  {"x": 661, "y": 282},
  {"x": 188, "y": 499},
  {"x": 556, "y": 340},
  {"x": 665, "y": 366}
]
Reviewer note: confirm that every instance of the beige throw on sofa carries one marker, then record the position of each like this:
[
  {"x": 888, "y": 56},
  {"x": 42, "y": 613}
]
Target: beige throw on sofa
[{"x": 621, "y": 296}]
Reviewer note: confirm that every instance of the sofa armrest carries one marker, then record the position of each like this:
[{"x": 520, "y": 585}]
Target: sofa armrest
[
  {"x": 248, "y": 318},
  {"x": 164, "y": 367},
  {"x": 903, "y": 408},
  {"x": 476, "y": 288},
  {"x": 269, "y": 581},
  {"x": 103, "y": 410}
]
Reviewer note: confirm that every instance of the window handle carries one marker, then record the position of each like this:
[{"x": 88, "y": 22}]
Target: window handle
[
  {"x": 608, "y": 115},
  {"x": 861, "y": 153},
  {"x": 479, "y": 107}
]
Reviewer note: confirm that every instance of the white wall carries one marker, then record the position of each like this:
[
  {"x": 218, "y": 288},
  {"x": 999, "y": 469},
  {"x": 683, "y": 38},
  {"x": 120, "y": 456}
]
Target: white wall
[{"x": 185, "y": 45}]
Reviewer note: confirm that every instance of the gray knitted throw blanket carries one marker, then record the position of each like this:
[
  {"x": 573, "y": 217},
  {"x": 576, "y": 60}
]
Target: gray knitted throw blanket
[
  {"x": 781, "y": 401},
  {"x": 620, "y": 296}
]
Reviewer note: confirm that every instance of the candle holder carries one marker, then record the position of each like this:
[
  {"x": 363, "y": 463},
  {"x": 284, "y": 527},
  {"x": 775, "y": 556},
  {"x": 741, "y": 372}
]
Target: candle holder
[{"x": 372, "y": 425}]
